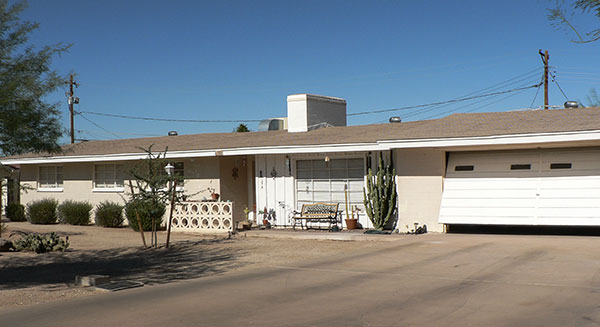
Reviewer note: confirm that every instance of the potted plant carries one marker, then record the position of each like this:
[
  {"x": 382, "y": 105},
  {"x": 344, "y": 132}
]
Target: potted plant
[
  {"x": 352, "y": 221},
  {"x": 213, "y": 194},
  {"x": 268, "y": 215}
]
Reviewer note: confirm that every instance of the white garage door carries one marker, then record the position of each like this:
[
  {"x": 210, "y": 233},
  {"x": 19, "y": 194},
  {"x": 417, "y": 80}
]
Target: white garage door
[{"x": 529, "y": 187}]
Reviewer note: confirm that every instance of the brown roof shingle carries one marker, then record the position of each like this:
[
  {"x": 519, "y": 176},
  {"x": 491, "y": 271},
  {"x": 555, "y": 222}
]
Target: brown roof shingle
[{"x": 457, "y": 125}]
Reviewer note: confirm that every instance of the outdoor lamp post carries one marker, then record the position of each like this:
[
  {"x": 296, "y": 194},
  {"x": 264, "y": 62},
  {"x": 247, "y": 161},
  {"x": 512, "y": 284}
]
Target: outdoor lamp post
[{"x": 170, "y": 169}]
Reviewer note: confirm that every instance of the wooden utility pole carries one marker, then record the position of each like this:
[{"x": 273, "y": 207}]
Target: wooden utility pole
[
  {"x": 72, "y": 100},
  {"x": 545, "y": 58}
]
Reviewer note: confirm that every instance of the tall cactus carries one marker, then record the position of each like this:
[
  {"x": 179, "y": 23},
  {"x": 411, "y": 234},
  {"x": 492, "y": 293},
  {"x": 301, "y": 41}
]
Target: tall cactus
[{"x": 380, "y": 195}]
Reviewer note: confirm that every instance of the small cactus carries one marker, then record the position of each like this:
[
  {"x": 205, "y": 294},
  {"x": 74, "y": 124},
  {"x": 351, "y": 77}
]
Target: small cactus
[
  {"x": 40, "y": 243},
  {"x": 380, "y": 195}
]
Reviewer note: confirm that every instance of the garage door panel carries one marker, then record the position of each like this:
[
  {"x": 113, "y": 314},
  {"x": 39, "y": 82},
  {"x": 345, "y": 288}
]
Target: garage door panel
[
  {"x": 541, "y": 195},
  {"x": 489, "y": 211},
  {"x": 492, "y": 183},
  {"x": 491, "y": 202},
  {"x": 588, "y": 182},
  {"x": 569, "y": 203},
  {"x": 571, "y": 193},
  {"x": 495, "y": 220},
  {"x": 567, "y": 213},
  {"x": 488, "y": 194}
]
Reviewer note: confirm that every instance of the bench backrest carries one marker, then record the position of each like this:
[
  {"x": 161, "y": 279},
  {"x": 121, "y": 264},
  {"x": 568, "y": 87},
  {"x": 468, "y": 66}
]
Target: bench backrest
[{"x": 319, "y": 209}]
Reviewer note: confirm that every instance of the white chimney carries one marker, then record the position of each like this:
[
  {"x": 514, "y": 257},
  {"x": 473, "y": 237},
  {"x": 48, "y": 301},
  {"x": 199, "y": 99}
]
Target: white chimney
[{"x": 309, "y": 111}]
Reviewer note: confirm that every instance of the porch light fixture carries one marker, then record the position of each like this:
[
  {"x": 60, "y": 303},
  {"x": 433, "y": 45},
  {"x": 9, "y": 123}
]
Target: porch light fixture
[{"x": 170, "y": 169}]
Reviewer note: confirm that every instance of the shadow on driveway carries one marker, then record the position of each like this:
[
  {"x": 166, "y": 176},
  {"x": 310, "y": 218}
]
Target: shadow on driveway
[{"x": 181, "y": 261}]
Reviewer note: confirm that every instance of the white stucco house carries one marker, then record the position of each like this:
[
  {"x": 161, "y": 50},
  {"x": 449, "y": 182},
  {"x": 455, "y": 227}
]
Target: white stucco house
[{"x": 534, "y": 167}]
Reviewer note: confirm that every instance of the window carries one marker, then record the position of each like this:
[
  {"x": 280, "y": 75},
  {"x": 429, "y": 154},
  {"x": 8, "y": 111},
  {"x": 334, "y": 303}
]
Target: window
[
  {"x": 50, "y": 177},
  {"x": 318, "y": 181},
  {"x": 178, "y": 171},
  {"x": 108, "y": 176},
  {"x": 464, "y": 168},
  {"x": 520, "y": 167},
  {"x": 560, "y": 165}
]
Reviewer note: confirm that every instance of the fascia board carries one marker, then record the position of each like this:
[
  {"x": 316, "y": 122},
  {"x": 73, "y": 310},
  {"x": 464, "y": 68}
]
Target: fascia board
[
  {"x": 515, "y": 139},
  {"x": 202, "y": 153}
]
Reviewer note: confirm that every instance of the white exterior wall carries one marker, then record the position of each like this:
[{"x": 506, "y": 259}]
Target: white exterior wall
[
  {"x": 420, "y": 174},
  {"x": 200, "y": 173},
  {"x": 279, "y": 192}
]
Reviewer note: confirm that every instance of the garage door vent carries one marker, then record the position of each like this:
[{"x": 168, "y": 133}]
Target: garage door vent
[
  {"x": 520, "y": 167},
  {"x": 464, "y": 168},
  {"x": 560, "y": 166}
]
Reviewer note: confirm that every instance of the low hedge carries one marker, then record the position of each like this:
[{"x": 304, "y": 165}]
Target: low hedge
[
  {"x": 74, "y": 212},
  {"x": 15, "y": 212},
  {"x": 42, "y": 211},
  {"x": 146, "y": 210},
  {"x": 109, "y": 214}
]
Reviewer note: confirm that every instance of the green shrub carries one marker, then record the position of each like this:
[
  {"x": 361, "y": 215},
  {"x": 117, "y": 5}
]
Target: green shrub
[
  {"x": 146, "y": 210},
  {"x": 109, "y": 214},
  {"x": 15, "y": 212},
  {"x": 40, "y": 243},
  {"x": 42, "y": 211},
  {"x": 74, "y": 212}
]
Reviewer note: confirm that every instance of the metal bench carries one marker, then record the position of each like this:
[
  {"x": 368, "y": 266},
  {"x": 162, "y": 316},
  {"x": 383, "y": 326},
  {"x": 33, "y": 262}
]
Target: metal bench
[{"x": 318, "y": 212}]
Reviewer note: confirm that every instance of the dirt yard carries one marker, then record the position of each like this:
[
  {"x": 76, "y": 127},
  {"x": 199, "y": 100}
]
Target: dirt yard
[{"x": 29, "y": 278}]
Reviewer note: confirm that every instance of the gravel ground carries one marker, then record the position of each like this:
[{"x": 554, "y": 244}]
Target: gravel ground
[{"x": 29, "y": 278}]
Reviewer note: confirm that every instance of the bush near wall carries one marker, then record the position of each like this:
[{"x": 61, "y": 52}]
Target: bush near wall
[
  {"x": 109, "y": 214},
  {"x": 75, "y": 212},
  {"x": 42, "y": 211},
  {"x": 15, "y": 212},
  {"x": 146, "y": 210}
]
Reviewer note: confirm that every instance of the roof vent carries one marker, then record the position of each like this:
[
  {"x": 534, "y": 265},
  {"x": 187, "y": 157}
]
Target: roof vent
[
  {"x": 395, "y": 119},
  {"x": 173, "y": 133},
  {"x": 272, "y": 124},
  {"x": 571, "y": 105}
]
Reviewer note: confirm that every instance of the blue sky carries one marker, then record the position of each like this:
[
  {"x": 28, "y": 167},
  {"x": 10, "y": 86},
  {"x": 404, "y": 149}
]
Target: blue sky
[{"x": 222, "y": 60}]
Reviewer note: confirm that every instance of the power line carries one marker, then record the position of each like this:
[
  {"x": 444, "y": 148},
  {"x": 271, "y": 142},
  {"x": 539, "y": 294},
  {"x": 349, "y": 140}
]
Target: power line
[
  {"x": 102, "y": 128},
  {"x": 526, "y": 80},
  {"x": 460, "y": 99},
  {"x": 470, "y": 104},
  {"x": 171, "y": 120},
  {"x": 535, "y": 96},
  {"x": 553, "y": 74},
  {"x": 445, "y": 102}
]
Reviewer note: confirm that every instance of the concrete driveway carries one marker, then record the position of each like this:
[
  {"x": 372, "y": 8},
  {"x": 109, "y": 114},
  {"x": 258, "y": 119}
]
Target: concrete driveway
[{"x": 427, "y": 280}]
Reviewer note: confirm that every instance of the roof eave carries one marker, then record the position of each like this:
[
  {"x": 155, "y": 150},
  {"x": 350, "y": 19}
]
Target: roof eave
[{"x": 514, "y": 139}]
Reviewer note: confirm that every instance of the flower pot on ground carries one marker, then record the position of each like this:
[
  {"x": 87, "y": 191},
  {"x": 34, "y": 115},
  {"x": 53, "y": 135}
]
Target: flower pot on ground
[{"x": 351, "y": 223}]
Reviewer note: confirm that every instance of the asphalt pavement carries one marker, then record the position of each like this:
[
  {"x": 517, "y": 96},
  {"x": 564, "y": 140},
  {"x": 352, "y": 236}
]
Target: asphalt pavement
[{"x": 426, "y": 280}]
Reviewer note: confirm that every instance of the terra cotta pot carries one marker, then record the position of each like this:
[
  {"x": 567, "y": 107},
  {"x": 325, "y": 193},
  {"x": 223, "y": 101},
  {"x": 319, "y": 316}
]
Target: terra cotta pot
[{"x": 351, "y": 223}]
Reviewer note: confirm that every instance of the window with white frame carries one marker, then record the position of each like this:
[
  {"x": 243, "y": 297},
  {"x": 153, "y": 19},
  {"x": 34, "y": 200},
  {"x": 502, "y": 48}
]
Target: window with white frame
[
  {"x": 50, "y": 177},
  {"x": 321, "y": 181},
  {"x": 107, "y": 176}
]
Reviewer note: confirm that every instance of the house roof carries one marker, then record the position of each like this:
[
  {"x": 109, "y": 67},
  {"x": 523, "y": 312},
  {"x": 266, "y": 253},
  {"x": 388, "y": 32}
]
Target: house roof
[{"x": 454, "y": 126}]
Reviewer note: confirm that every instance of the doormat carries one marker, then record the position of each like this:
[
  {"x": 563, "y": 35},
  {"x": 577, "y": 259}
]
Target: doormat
[{"x": 118, "y": 286}]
